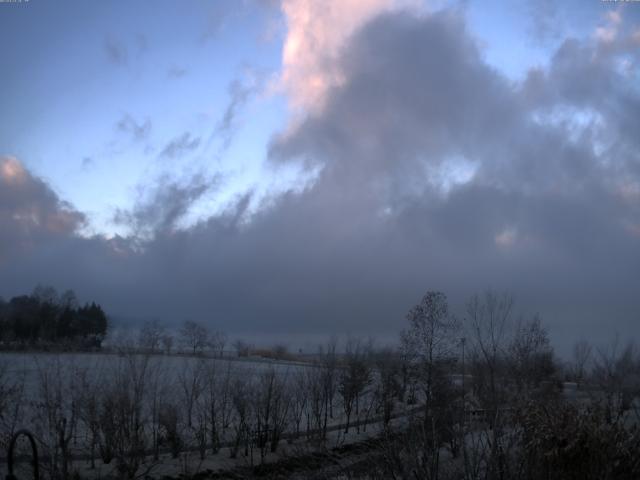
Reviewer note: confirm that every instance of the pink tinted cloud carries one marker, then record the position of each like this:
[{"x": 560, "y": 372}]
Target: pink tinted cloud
[{"x": 316, "y": 33}]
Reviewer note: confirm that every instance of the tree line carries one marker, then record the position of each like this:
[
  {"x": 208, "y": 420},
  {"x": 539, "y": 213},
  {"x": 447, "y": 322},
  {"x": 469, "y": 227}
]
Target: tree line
[
  {"x": 46, "y": 318},
  {"x": 497, "y": 404},
  {"x": 477, "y": 397}
]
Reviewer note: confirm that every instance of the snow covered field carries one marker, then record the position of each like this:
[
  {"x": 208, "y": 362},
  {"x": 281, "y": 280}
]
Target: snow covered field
[
  {"x": 132, "y": 411},
  {"x": 27, "y": 366}
]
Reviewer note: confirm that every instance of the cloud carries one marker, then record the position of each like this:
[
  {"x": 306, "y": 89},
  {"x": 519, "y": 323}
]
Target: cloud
[
  {"x": 119, "y": 53},
  {"x": 219, "y": 14},
  {"x": 546, "y": 20},
  {"x": 240, "y": 92},
  {"x": 176, "y": 72},
  {"x": 180, "y": 145},
  {"x": 138, "y": 131},
  {"x": 215, "y": 18},
  {"x": 316, "y": 34},
  {"x": 404, "y": 108},
  {"x": 160, "y": 208},
  {"x": 116, "y": 52},
  {"x": 87, "y": 163},
  {"x": 31, "y": 214},
  {"x": 416, "y": 96},
  {"x": 431, "y": 171},
  {"x": 268, "y": 4}
]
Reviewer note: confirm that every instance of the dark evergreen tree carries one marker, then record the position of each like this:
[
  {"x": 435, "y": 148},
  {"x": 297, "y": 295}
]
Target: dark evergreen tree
[{"x": 46, "y": 318}]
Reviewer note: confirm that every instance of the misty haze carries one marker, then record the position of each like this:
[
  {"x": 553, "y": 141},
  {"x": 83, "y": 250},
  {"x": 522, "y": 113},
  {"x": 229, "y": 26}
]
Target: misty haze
[{"x": 320, "y": 239}]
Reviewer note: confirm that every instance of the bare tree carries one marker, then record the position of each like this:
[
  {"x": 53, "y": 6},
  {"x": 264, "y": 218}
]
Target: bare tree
[
  {"x": 242, "y": 348},
  {"x": 56, "y": 410},
  {"x": 225, "y": 395},
  {"x": 123, "y": 340},
  {"x": 46, "y": 294},
  {"x": 318, "y": 404},
  {"x": 12, "y": 401},
  {"x": 580, "y": 361},
  {"x": 169, "y": 424},
  {"x": 270, "y": 410},
  {"x": 241, "y": 414},
  {"x": 167, "y": 343},
  {"x": 408, "y": 378},
  {"x": 329, "y": 361},
  {"x": 354, "y": 377},
  {"x": 280, "y": 411},
  {"x": 489, "y": 321},
  {"x": 194, "y": 336},
  {"x": 300, "y": 398},
  {"x": 430, "y": 341},
  {"x": 280, "y": 351},
  {"x": 193, "y": 386},
  {"x": 156, "y": 390},
  {"x": 89, "y": 414},
  {"x": 575, "y": 441},
  {"x": 217, "y": 342},
  {"x": 68, "y": 299},
  {"x": 151, "y": 335},
  {"x": 617, "y": 373},
  {"x": 213, "y": 397},
  {"x": 190, "y": 384},
  {"x": 122, "y": 417},
  {"x": 388, "y": 386},
  {"x": 530, "y": 357}
]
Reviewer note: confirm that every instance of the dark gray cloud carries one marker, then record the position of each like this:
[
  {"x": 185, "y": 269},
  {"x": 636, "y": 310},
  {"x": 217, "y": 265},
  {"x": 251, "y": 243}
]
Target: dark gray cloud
[
  {"x": 160, "y": 208},
  {"x": 433, "y": 172},
  {"x": 543, "y": 208},
  {"x": 180, "y": 145}
]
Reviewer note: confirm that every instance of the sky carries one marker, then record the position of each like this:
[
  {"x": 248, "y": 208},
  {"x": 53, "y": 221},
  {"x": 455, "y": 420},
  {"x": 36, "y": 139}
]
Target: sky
[{"x": 298, "y": 168}]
